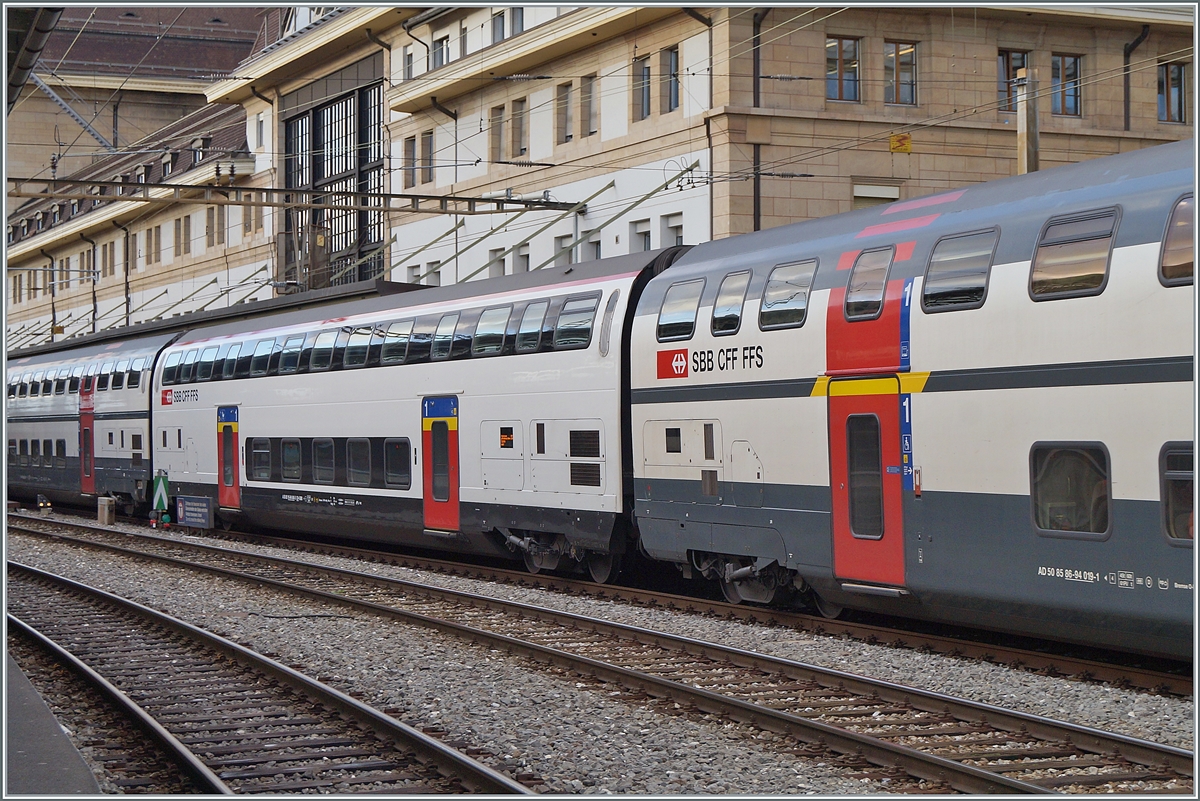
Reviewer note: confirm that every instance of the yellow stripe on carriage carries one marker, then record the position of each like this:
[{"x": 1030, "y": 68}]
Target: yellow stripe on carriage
[
  {"x": 427, "y": 423},
  {"x": 910, "y": 383}
]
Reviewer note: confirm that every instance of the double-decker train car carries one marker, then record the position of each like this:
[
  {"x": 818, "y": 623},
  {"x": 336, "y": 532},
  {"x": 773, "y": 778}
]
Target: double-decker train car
[{"x": 973, "y": 407}]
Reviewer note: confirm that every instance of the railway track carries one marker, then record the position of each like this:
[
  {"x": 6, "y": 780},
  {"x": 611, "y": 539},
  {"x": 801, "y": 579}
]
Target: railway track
[
  {"x": 233, "y": 721},
  {"x": 942, "y": 741}
]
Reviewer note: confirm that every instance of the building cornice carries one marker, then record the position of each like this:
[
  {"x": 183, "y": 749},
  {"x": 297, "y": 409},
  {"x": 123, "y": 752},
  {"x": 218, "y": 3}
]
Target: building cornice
[
  {"x": 1182, "y": 15},
  {"x": 95, "y": 81}
]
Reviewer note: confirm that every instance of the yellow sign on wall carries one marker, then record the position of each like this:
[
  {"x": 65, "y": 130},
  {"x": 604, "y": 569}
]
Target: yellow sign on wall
[{"x": 900, "y": 143}]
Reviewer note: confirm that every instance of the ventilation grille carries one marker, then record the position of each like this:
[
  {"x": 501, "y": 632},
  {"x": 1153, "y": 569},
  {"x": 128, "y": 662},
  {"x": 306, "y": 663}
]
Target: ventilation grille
[
  {"x": 585, "y": 445},
  {"x": 585, "y": 475}
]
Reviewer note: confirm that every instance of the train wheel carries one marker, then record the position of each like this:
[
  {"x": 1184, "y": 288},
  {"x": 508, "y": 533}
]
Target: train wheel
[
  {"x": 530, "y": 563},
  {"x": 730, "y": 591},
  {"x": 827, "y": 610},
  {"x": 603, "y": 567}
]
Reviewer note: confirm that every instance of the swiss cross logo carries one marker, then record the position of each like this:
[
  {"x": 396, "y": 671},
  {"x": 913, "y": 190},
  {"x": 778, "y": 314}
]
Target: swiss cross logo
[
  {"x": 673, "y": 363},
  {"x": 168, "y": 397}
]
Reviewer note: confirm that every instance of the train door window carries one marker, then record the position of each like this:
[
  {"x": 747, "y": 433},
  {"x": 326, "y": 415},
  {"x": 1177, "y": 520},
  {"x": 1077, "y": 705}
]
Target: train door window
[
  {"x": 677, "y": 317},
  {"x": 489, "y": 332},
  {"x": 12, "y": 452},
  {"x": 397, "y": 464},
  {"x": 171, "y": 368},
  {"x": 674, "y": 440},
  {"x": 260, "y": 459},
  {"x": 87, "y": 451},
  {"x": 864, "y": 461},
  {"x": 135, "y": 374},
  {"x": 35, "y": 453},
  {"x": 443, "y": 337},
  {"x": 731, "y": 297},
  {"x": 1176, "y": 265},
  {"x": 395, "y": 342},
  {"x": 1072, "y": 256},
  {"x": 289, "y": 360},
  {"x": 179, "y": 438},
  {"x": 185, "y": 369},
  {"x": 164, "y": 438},
  {"x": 23, "y": 455},
  {"x": 322, "y": 352},
  {"x": 323, "y": 468},
  {"x": 540, "y": 429},
  {"x": 231, "y": 359},
  {"x": 289, "y": 458},
  {"x": 135, "y": 445},
  {"x": 1070, "y": 489},
  {"x": 529, "y": 335},
  {"x": 204, "y": 368},
  {"x": 440, "y": 442},
  {"x": 60, "y": 453},
  {"x": 262, "y": 357},
  {"x": 868, "y": 280},
  {"x": 1178, "y": 474},
  {"x": 785, "y": 297},
  {"x": 118, "y": 376},
  {"x": 358, "y": 462},
  {"x": 710, "y": 443},
  {"x": 574, "y": 329},
  {"x": 358, "y": 348},
  {"x": 957, "y": 275}
]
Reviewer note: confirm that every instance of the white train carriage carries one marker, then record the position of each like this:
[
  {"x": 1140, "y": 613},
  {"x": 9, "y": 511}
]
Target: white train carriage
[
  {"x": 78, "y": 423},
  {"x": 482, "y": 418},
  {"x": 974, "y": 406}
]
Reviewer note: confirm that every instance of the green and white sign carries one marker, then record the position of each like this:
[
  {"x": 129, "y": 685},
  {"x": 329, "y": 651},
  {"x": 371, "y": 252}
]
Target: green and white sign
[{"x": 160, "y": 493}]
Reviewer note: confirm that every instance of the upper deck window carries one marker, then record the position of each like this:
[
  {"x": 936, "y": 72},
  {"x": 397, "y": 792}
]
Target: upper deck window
[
  {"x": 727, "y": 312},
  {"x": 785, "y": 297},
  {"x": 231, "y": 359},
  {"x": 443, "y": 337},
  {"x": 262, "y": 357},
  {"x": 868, "y": 281},
  {"x": 677, "y": 317},
  {"x": 1072, "y": 255},
  {"x": 358, "y": 347},
  {"x": 322, "y": 352},
  {"x": 958, "y": 270},
  {"x": 574, "y": 328},
  {"x": 489, "y": 332},
  {"x": 395, "y": 342},
  {"x": 289, "y": 360},
  {"x": 171, "y": 368},
  {"x": 204, "y": 368},
  {"x": 529, "y": 336},
  {"x": 1176, "y": 266}
]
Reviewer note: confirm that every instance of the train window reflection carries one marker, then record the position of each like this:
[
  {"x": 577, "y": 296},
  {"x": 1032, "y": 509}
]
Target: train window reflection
[
  {"x": 397, "y": 464},
  {"x": 262, "y": 357},
  {"x": 1072, "y": 256},
  {"x": 260, "y": 460},
  {"x": 1070, "y": 488},
  {"x": 204, "y": 368},
  {"x": 574, "y": 328},
  {"x": 289, "y": 361},
  {"x": 1177, "y": 260},
  {"x": 958, "y": 269},
  {"x": 185, "y": 369},
  {"x": 171, "y": 367},
  {"x": 118, "y": 377},
  {"x": 443, "y": 337},
  {"x": 395, "y": 342},
  {"x": 1178, "y": 477},
  {"x": 529, "y": 336},
  {"x": 358, "y": 347},
  {"x": 489, "y": 332},
  {"x": 322, "y": 450},
  {"x": 231, "y": 358},
  {"x": 677, "y": 317},
  {"x": 868, "y": 281},
  {"x": 785, "y": 297},
  {"x": 358, "y": 462},
  {"x": 322, "y": 352},
  {"x": 289, "y": 459},
  {"x": 135, "y": 374},
  {"x": 727, "y": 312}
]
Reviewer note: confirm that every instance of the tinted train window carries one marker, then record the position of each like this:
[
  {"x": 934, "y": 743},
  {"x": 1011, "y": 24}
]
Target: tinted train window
[
  {"x": 260, "y": 464},
  {"x": 489, "y": 332},
  {"x": 322, "y": 352},
  {"x": 727, "y": 312},
  {"x": 395, "y": 342},
  {"x": 322, "y": 461},
  {"x": 60, "y": 386},
  {"x": 12, "y": 452},
  {"x": 289, "y": 361},
  {"x": 12, "y": 390},
  {"x": 358, "y": 462},
  {"x": 231, "y": 359},
  {"x": 1070, "y": 489},
  {"x": 60, "y": 453},
  {"x": 785, "y": 297},
  {"x": 185, "y": 369},
  {"x": 868, "y": 281},
  {"x": 1178, "y": 475},
  {"x": 1072, "y": 256},
  {"x": 574, "y": 328},
  {"x": 106, "y": 369},
  {"x": 677, "y": 317},
  {"x": 358, "y": 347},
  {"x": 204, "y": 368},
  {"x": 23, "y": 457},
  {"x": 135, "y": 374},
  {"x": 35, "y": 386},
  {"x": 48, "y": 383},
  {"x": 674, "y": 440},
  {"x": 443, "y": 337},
  {"x": 118, "y": 379},
  {"x": 35, "y": 453},
  {"x": 48, "y": 453},
  {"x": 171, "y": 367},
  {"x": 864, "y": 460},
  {"x": 397, "y": 463},
  {"x": 1176, "y": 264},
  {"x": 529, "y": 335},
  {"x": 958, "y": 269},
  {"x": 262, "y": 357},
  {"x": 289, "y": 458}
]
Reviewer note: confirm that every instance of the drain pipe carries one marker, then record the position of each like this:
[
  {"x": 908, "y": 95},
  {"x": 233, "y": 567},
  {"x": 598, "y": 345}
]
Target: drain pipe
[
  {"x": 128, "y": 259},
  {"x": 759, "y": 16},
  {"x": 52, "y": 285},
  {"x": 1129, "y": 48},
  {"x": 92, "y": 277}
]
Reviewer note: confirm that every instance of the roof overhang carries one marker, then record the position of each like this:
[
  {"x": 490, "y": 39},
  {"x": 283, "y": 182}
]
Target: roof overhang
[
  {"x": 1181, "y": 15},
  {"x": 93, "y": 80}
]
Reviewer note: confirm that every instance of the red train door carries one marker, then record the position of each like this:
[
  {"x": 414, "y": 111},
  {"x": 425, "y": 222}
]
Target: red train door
[
  {"x": 87, "y": 436},
  {"x": 439, "y": 462},
  {"x": 866, "y": 474},
  {"x": 229, "y": 493}
]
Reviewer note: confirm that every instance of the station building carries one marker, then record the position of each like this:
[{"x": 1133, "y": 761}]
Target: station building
[{"x": 438, "y": 145}]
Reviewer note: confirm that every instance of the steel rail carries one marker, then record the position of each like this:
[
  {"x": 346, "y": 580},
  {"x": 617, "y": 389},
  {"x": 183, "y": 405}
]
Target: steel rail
[
  {"x": 206, "y": 779},
  {"x": 474, "y": 774},
  {"x": 1082, "y": 737}
]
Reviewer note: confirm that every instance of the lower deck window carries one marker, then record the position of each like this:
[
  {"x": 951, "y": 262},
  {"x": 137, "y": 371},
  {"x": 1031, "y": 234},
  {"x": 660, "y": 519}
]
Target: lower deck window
[
  {"x": 358, "y": 462},
  {"x": 23, "y": 458},
  {"x": 35, "y": 453},
  {"x": 1070, "y": 488},
  {"x": 289, "y": 457},
  {"x": 322, "y": 461},
  {"x": 1178, "y": 475},
  {"x": 864, "y": 460},
  {"x": 12, "y": 452},
  {"x": 397, "y": 463},
  {"x": 260, "y": 469}
]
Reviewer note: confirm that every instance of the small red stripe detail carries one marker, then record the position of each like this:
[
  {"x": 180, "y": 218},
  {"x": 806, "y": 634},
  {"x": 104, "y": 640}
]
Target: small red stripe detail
[
  {"x": 904, "y": 251},
  {"x": 922, "y": 202},
  {"x": 898, "y": 225},
  {"x": 846, "y": 260}
]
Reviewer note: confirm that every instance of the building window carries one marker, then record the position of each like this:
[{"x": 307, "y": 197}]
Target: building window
[
  {"x": 639, "y": 236},
  {"x": 1070, "y": 488},
  {"x": 670, "y": 78},
  {"x": 1065, "y": 72},
  {"x": 1007, "y": 64},
  {"x": 841, "y": 69},
  {"x": 183, "y": 235},
  {"x": 520, "y": 128},
  {"x": 410, "y": 162},
  {"x": 518, "y": 20},
  {"x": 168, "y": 164},
  {"x": 900, "y": 73},
  {"x": 406, "y": 59},
  {"x": 439, "y": 55},
  {"x": 215, "y": 226},
  {"x": 672, "y": 233},
  {"x": 1172, "y": 92},
  {"x": 641, "y": 88},
  {"x": 462, "y": 41},
  {"x": 259, "y": 130},
  {"x": 495, "y": 263},
  {"x": 496, "y": 133},
  {"x": 563, "y": 253},
  {"x": 427, "y": 157},
  {"x": 521, "y": 260},
  {"x": 589, "y": 116},
  {"x": 564, "y": 123},
  {"x": 498, "y": 27}
]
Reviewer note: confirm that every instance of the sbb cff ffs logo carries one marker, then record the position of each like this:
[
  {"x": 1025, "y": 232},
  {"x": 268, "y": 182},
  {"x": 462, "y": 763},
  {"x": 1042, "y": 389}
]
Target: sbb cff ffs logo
[{"x": 673, "y": 363}]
